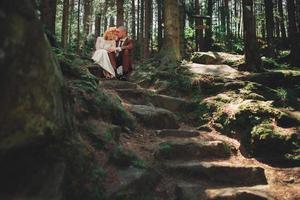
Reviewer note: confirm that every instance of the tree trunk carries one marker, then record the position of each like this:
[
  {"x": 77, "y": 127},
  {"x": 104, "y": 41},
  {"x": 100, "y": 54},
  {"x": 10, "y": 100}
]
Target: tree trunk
[
  {"x": 252, "y": 58},
  {"x": 294, "y": 38},
  {"x": 138, "y": 21},
  {"x": 133, "y": 24},
  {"x": 71, "y": 21},
  {"x": 281, "y": 20},
  {"x": 208, "y": 32},
  {"x": 147, "y": 27},
  {"x": 228, "y": 29},
  {"x": 78, "y": 27},
  {"x": 86, "y": 19},
  {"x": 159, "y": 21},
  {"x": 65, "y": 24},
  {"x": 120, "y": 12},
  {"x": 97, "y": 25},
  {"x": 197, "y": 24},
  {"x": 171, "y": 43},
  {"x": 270, "y": 27},
  {"x": 48, "y": 15}
]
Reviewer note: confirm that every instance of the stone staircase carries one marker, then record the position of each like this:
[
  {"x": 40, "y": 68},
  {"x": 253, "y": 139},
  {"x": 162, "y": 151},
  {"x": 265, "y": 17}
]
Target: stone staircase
[{"x": 200, "y": 168}]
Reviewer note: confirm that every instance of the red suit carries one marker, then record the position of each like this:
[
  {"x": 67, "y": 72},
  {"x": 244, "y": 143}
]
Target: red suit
[{"x": 124, "y": 57}]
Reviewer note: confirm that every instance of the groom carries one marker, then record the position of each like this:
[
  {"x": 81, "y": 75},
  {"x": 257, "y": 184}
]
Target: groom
[{"x": 121, "y": 55}]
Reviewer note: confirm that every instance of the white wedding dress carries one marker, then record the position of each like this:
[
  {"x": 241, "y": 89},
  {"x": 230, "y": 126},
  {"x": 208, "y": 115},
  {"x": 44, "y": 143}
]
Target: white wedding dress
[{"x": 101, "y": 54}]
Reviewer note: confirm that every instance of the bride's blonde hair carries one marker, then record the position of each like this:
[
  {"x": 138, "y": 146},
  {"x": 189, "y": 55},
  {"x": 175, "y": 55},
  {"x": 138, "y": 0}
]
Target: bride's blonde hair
[{"x": 110, "y": 33}]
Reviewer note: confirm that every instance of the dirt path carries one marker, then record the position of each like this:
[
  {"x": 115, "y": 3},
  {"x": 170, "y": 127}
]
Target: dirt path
[{"x": 196, "y": 164}]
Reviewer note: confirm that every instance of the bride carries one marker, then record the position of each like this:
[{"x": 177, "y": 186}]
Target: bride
[{"x": 103, "y": 44}]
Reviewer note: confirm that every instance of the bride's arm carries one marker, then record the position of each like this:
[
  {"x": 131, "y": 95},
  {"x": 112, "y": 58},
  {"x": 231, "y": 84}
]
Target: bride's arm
[{"x": 99, "y": 43}]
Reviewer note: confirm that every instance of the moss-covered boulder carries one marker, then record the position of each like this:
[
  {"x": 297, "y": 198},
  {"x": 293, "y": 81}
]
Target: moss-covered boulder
[{"x": 204, "y": 58}]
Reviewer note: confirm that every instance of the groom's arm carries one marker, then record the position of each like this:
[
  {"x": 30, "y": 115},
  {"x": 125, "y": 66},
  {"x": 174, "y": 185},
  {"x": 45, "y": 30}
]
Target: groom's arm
[{"x": 129, "y": 46}]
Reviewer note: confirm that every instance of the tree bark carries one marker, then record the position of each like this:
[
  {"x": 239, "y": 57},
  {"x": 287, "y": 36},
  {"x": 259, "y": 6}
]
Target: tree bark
[
  {"x": 294, "y": 38},
  {"x": 120, "y": 12},
  {"x": 86, "y": 19},
  {"x": 270, "y": 27},
  {"x": 71, "y": 21},
  {"x": 208, "y": 32},
  {"x": 133, "y": 24},
  {"x": 65, "y": 24},
  {"x": 281, "y": 20},
  {"x": 48, "y": 15},
  {"x": 147, "y": 28},
  {"x": 78, "y": 28},
  {"x": 252, "y": 58},
  {"x": 171, "y": 43},
  {"x": 98, "y": 25},
  {"x": 159, "y": 21}
]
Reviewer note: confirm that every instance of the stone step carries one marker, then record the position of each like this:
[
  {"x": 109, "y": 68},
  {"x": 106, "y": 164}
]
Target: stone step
[
  {"x": 189, "y": 191},
  {"x": 259, "y": 192},
  {"x": 218, "y": 173},
  {"x": 154, "y": 118},
  {"x": 116, "y": 84},
  {"x": 187, "y": 150},
  {"x": 177, "y": 133},
  {"x": 147, "y": 97}
]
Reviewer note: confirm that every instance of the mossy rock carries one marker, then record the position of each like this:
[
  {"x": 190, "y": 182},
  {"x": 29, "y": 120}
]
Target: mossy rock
[
  {"x": 272, "y": 142},
  {"x": 204, "y": 58}
]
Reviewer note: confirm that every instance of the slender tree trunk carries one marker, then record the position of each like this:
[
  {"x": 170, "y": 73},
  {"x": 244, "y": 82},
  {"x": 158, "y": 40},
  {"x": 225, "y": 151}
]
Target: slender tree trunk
[
  {"x": 86, "y": 20},
  {"x": 159, "y": 21},
  {"x": 133, "y": 24},
  {"x": 228, "y": 29},
  {"x": 208, "y": 32},
  {"x": 142, "y": 24},
  {"x": 98, "y": 25},
  {"x": 171, "y": 44},
  {"x": 252, "y": 58},
  {"x": 138, "y": 21},
  {"x": 105, "y": 11},
  {"x": 78, "y": 27},
  {"x": 294, "y": 38},
  {"x": 281, "y": 19},
  {"x": 120, "y": 12},
  {"x": 147, "y": 27},
  {"x": 71, "y": 21},
  {"x": 65, "y": 24},
  {"x": 270, "y": 27}
]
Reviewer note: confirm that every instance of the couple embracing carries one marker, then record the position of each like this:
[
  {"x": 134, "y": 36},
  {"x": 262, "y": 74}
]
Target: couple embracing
[{"x": 113, "y": 53}]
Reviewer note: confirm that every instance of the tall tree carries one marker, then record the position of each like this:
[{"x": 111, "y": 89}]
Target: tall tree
[
  {"x": 120, "y": 12},
  {"x": 281, "y": 20},
  {"x": 252, "y": 58},
  {"x": 294, "y": 38},
  {"x": 48, "y": 14},
  {"x": 208, "y": 32},
  {"x": 270, "y": 27},
  {"x": 87, "y": 19},
  {"x": 65, "y": 24},
  {"x": 71, "y": 21},
  {"x": 78, "y": 27},
  {"x": 171, "y": 43},
  {"x": 147, "y": 28},
  {"x": 159, "y": 22},
  {"x": 133, "y": 24}
]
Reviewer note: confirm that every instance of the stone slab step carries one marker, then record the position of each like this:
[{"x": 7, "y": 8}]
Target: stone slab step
[
  {"x": 116, "y": 84},
  {"x": 177, "y": 133},
  {"x": 147, "y": 97},
  {"x": 189, "y": 191},
  {"x": 240, "y": 193},
  {"x": 188, "y": 150},
  {"x": 218, "y": 173},
  {"x": 154, "y": 118}
]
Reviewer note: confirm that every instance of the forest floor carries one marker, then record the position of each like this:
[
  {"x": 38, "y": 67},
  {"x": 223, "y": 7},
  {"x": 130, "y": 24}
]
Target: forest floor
[{"x": 202, "y": 131}]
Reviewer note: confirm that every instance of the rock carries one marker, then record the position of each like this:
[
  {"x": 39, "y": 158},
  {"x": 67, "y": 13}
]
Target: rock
[
  {"x": 183, "y": 150},
  {"x": 177, "y": 133},
  {"x": 135, "y": 184},
  {"x": 218, "y": 173},
  {"x": 204, "y": 58},
  {"x": 187, "y": 191},
  {"x": 204, "y": 128},
  {"x": 147, "y": 97},
  {"x": 116, "y": 84},
  {"x": 215, "y": 70},
  {"x": 155, "y": 118},
  {"x": 239, "y": 193}
]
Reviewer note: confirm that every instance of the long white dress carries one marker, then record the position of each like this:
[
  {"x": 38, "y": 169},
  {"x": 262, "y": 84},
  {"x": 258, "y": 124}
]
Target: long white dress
[{"x": 101, "y": 54}]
